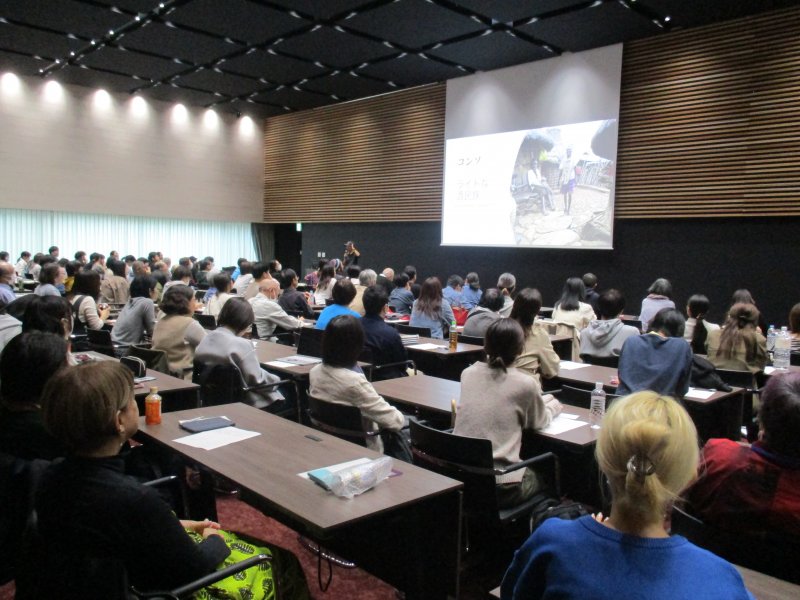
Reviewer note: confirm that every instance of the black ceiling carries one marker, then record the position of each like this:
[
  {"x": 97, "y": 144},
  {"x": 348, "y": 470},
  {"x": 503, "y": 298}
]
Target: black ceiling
[{"x": 267, "y": 57}]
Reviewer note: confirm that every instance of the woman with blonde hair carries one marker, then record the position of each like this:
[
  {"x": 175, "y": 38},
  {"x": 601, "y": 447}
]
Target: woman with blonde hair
[
  {"x": 738, "y": 345},
  {"x": 647, "y": 450}
]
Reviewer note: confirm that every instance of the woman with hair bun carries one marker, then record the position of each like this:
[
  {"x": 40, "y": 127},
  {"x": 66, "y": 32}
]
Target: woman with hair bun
[
  {"x": 498, "y": 401},
  {"x": 647, "y": 450},
  {"x": 739, "y": 345}
]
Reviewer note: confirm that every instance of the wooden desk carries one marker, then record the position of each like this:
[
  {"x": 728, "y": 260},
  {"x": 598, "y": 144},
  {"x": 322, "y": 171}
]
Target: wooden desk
[
  {"x": 431, "y": 396},
  {"x": 717, "y": 416},
  {"x": 405, "y": 531},
  {"x": 271, "y": 351},
  {"x": 177, "y": 394},
  {"x": 440, "y": 361}
]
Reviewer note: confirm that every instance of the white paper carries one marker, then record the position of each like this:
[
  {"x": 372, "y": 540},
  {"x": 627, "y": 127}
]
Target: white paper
[
  {"x": 338, "y": 467},
  {"x": 216, "y": 438},
  {"x": 302, "y": 359},
  {"x": 424, "y": 346},
  {"x": 561, "y": 424},
  {"x": 280, "y": 364},
  {"x": 699, "y": 394},
  {"x": 769, "y": 370},
  {"x": 564, "y": 415},
  {"x": 568, "y": 365}
]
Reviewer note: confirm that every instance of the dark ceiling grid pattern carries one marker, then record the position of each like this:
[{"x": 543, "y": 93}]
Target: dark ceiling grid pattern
[{"x": 268, "y": 57}]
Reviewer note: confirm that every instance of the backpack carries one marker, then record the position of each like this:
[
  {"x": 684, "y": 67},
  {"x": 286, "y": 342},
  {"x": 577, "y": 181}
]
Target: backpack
[
  {"x": 549, "y": 507},
  {"x": 704, "y": 375},
  {"x": 78, "y": 327}
]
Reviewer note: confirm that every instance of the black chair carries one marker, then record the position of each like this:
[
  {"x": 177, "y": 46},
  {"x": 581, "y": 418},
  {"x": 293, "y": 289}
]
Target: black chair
[
  {"x": 381, "y": 371},
  {"x": 99, "y": 340},
  {"x": 223, "y": 384},
  {"x": 773, "y": 553},
  {"x": 470, "y": 461},
  {"x": 310, "y": 342},
  {"x": 632, "y": 322},
  {"x": 582, "y": 397},
  {"x": 748, "y": 381},
  {"x": 601, "y": 361},
  {"x": 340, "y": 420},
  {"x": 207, "y": 321},
  {"x": 470, "y": 339},
  {"x": 420, "y": 331}
]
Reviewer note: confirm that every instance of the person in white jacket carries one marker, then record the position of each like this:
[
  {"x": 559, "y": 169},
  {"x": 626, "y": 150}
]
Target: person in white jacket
[
  {"x": 269, "y": 314},
  {"x": 571, "y": 307}
]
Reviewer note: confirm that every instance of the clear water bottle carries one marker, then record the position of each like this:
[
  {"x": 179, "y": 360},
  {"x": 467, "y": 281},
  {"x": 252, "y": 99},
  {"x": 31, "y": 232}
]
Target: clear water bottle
[
  {"x": 771, "y": 335},
  {"x": 597, "y": 408},
  {"x": 783, "y": 349}
]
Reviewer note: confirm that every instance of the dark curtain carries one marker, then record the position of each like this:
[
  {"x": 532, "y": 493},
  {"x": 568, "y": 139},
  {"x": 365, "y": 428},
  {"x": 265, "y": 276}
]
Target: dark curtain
[{"x": 264, "y": 240}]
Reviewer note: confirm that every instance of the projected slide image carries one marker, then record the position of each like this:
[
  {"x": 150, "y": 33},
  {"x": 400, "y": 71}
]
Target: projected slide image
[{"x": 547, "y": 187}]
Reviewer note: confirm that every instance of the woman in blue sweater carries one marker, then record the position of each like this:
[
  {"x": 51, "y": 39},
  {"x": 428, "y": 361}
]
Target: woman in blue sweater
[{"x": 647, "y": 449}]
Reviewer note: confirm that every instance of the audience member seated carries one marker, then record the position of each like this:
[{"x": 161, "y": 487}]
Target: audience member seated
[
  {"x": 244, "y": 278},
  {"x": 226, "y": 345},
  {"x": 537, "y": 358},
  {"x": 269, "y": 314},
  {"x": 386, "y": 280},
  {"x": 222, "y": 283},
  {"x": 312, "y": 279},
  {"x": 202, "y": 278},
  {"x": 380, "y": 339},
  {"x": 86, "y": 290},
  {"x": 51, "y": 314},
  {"x": 339, "y": 379},
  {"x": 91, "y": 410},
  {"x": 260, "y": 274},
  {"x": 452, "y": 293},
  {"x": 738, "y": 345},
  {"x": 178, "y": 333},
  {"x": 498, "y": 402},
  {"x": 697, "y": 327},
  {"x": 794, "y": 327},
  {"x": 137, "y": 319},
  {"x": 756, "y": 488},
  {"x": 659, "y": 360},
  {"x": 571, "y": 307},
  {"x": 401, "y": 300},
  {"x": 647, "y": 450},
  {"x": 51, "y": 276},
  {"x": 506, "y": 284},
  {"x": 324, "y": 290},
  {"x": 352, "y": 272},
  {"x": 7, "y": 278},
  {"x": 97, "y": 263},
  {"x": 592, "y": 295},
  {"x": 486, "y": 313},
  {"x": 275, "y": 268},
  {"x": 342, "y": 295},
  {"x": 115, "y": 289},
  {"x": 743, "y": 296},
  {"x": 180, "y": 276},
  {"x": 35, "y": 266},
  {"x": 366, "y": 279},
  {"x": 292, "y": 301},
  {"x": 659, "y": 295},
  {"x": 21, "y": 267},
  {"x": 471, "y": 292},
  {"x": 605, "y": 337},
  {"x": 26, "y": 365},
  {"x": 9, "y": 327},
  {"x": 432, "y": 310}
]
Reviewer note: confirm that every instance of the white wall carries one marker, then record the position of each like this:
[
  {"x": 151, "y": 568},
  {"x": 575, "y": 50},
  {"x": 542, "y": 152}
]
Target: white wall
[{"x": 75, "y": 150}]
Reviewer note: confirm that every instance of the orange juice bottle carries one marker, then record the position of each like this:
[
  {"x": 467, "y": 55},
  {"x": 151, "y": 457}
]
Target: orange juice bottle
[{"x": 152, "y": 407}]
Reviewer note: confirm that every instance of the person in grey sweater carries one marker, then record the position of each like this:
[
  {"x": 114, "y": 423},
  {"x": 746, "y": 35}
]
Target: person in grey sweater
[
  {"x": 498, "y": 402},
  {"x": 604, "y": 337},
  {"x": 486, "y": 313},
  {"x": 138, "y": 317}
]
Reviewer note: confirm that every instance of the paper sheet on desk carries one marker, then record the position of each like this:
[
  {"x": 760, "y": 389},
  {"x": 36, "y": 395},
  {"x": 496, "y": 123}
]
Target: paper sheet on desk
[
  {"x": 424, "y": 346},
  {"x": 280, "y": 364},
  {"x": 568, "y": 364},
  {"x": 216, "y": 438},
  {"x": 769, "y": 370},
  {"x": 698, "y": 394},
  {"x": 563, "y": 423}
]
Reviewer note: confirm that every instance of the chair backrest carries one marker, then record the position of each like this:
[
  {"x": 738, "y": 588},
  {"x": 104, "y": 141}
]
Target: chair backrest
[
  {"x": 99, "y": 340},
  {"x": 340, "y": 420},
  {"x": 575, "y": 396},
  {"x": 632, "y": 322},
  {"x": 470, "y": 339},
  {"x": 743, "y": 379},
  {"x": 465, "y": 459},
  {"x": 310, "y": 342},
  {"x": 568, "y": 329},
  {"x": 421, "y": 331},
  {"x": 207, "y": 321},
  {"x": 794, "y": 359},
  {"x": 219, "y": 384},
  {"x": 602, "y": 361},
  {"x": 154, "y": 359},
  {"x": 772, "y": 553}
]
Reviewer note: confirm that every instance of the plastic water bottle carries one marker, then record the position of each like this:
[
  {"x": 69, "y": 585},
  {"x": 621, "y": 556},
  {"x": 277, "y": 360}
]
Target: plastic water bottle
[
  {"x": 783, "y": 349},
  {"x": 453, "y": 336},
  {"x": 357, "y": 480},
  {"x": 597, "y": 408},
  {"x": 771, "y": 335}
]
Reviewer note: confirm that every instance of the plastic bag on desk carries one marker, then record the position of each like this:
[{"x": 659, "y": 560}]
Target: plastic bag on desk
[{"x": 360, "y": 478}]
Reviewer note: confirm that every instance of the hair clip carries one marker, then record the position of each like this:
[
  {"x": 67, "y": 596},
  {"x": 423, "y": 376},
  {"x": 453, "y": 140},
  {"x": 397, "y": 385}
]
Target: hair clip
[{"x": 641, "y": 467}]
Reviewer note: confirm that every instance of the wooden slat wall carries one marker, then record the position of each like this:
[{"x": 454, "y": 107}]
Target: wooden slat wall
[
  {"x": 378, "y": 159},
  {"x": 709, "y": 127},
  {"x": 710, "y": 121}
]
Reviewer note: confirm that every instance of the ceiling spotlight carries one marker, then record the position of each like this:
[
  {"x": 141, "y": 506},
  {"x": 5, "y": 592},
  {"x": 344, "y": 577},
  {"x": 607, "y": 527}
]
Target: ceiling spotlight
[
  {"x": 161, "y": 5},
  {"x": 246, "y": 126},
  {"x": 53, "y": 92},
  {"x": 137, "y": 18},
  {"x": 667, "y": 19},
  {"x": 210, "y": 119},
  {"x": 93, "y": 43},
  {"x": 179, "y": 114},
  {"x": 102, "y": 100},
  {"x": 72, "y": 53},
  {"x": 110, "y": 32},
  {"x": 139, "y": 106}
]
